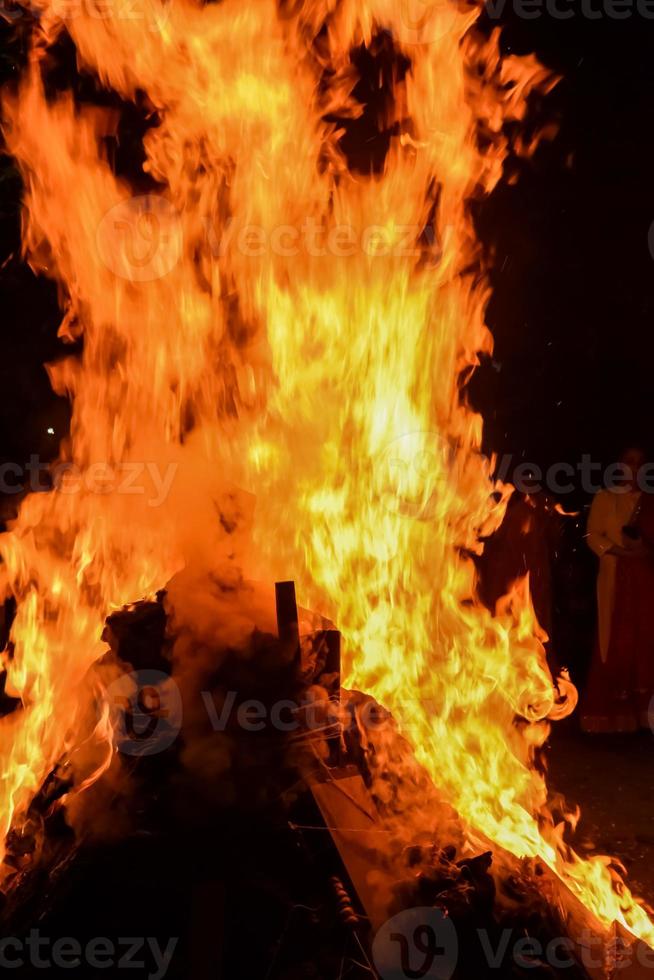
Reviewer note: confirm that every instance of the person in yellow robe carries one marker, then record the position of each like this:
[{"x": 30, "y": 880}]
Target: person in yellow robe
[{"x": 621, "y": 533}]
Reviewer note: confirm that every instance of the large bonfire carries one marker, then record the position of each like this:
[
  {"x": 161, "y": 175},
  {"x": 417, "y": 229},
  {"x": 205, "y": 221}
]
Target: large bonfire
[{"x": 255, "y": 310}]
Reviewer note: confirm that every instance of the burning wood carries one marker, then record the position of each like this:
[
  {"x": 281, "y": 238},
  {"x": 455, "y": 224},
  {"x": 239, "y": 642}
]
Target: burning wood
[{"x": 360, "y": 771}]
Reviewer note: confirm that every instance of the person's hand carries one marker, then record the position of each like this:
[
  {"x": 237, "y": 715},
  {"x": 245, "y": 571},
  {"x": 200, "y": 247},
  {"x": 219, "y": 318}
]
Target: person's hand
[
  {"x": 636, "y": 550},
  {"x": 618, "y": 552}
]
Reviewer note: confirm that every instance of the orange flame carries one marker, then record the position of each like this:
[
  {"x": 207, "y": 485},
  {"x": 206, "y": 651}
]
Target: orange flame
[{"x": 272, "y": 317}]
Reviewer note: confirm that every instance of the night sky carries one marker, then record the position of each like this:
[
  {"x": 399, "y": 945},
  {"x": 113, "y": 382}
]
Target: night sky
[{"x": 573, "y": 275}]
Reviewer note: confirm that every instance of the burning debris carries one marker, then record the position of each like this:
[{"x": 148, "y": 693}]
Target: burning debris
[{"x": 332, "y": 765}]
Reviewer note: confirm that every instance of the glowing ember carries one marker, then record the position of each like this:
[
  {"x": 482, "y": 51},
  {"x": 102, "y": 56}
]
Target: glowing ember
[{"x": 271, "y": 316}]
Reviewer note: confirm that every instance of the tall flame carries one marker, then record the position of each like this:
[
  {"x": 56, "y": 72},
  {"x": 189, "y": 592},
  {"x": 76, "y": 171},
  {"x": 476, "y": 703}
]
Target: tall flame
[{"x": 269, "y": 314}]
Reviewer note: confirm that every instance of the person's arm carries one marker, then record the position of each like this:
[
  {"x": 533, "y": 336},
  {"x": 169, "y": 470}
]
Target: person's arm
[{"x": 597, "y": 537}]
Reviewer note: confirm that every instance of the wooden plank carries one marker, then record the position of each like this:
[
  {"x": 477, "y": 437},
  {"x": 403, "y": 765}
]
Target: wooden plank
[
  {"x": 288, "y": 628},
  {"x": 352, "y": 819}
]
